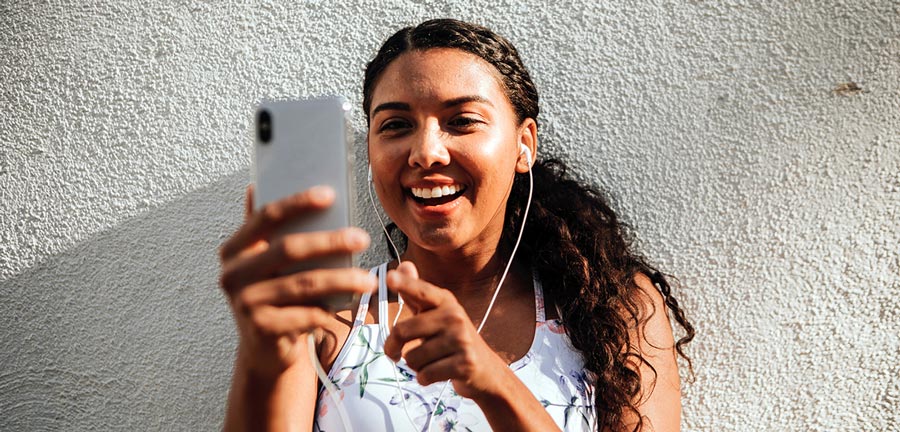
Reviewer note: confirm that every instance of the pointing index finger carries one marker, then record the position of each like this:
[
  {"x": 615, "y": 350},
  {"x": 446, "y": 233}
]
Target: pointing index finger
[{"x": 416, "y": 293}]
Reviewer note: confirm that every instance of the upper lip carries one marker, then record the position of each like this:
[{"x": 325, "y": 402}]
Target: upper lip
[{"x": 431, "y": 182}]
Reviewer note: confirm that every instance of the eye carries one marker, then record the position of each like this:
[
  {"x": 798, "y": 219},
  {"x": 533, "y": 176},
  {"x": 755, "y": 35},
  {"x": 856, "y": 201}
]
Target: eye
[
  {"x": 465, "y": 122},
  {"x": 394, "y": 126}
]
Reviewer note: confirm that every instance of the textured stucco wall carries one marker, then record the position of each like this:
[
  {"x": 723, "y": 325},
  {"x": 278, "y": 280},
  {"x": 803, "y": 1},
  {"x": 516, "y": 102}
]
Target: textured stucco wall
[{"x": 755, "y": 146}]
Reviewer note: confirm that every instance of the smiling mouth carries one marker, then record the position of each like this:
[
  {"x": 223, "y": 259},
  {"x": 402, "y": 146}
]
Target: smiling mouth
[{"x": 437, "y": 195}]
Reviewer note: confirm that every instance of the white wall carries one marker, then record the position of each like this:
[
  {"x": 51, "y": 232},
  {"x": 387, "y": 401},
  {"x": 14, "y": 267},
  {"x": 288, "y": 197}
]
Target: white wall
[{"x": 728, "y": 133}]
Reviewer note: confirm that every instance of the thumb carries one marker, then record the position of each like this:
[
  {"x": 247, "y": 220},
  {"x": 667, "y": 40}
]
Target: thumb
[{"x": 408, "y": 269}]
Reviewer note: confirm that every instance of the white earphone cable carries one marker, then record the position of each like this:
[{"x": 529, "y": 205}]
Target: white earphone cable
[
  {"x": 323, "y": 376},
  {"x": 329, "y": 386},
  {"x": 399, "y": 298},
  {"x": 502, "y": 278}
]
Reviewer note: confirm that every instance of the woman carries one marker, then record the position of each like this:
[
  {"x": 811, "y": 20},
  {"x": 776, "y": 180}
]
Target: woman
[{"x": 578, "y": 337}]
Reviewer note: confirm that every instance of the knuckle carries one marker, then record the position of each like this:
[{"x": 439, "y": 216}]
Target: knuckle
[
  {"x": 462, "y": 338},
  {"x": 455, "y": 319},
  {"x": 399, "y": 332},
  {"x": 271, "y": 213},
  {"x": 338, "y": 240},
  {"x": 227, "y": 281},
  {"x": 468, "y": 360},
  {"x": 242, "y": 305},
  {"x": 279, "y": 247},
  {"x": 460, "y": 369},
  {"x": 302, "y": 283},
  {"x": 243, "y": 302},
  {"x": 259, "y": 319}
]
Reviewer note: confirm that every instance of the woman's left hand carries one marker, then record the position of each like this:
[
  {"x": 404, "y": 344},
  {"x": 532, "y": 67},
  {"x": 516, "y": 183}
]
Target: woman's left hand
[{"x": 451, "y": 347}]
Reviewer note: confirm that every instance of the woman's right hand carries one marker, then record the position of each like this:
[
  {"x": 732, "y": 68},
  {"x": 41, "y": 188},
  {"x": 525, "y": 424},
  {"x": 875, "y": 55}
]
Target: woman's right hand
[{"x": 273, "y": 312}]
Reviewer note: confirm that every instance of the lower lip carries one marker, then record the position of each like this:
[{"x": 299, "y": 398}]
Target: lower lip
[{"x": 435, "y": 211}]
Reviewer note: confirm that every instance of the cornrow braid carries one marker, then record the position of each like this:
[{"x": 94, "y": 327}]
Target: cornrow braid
[{"x": 476, "y": 40}]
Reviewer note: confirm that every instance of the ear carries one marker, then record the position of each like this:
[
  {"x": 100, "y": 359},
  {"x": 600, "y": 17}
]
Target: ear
[{"x": 528, "y": 137}]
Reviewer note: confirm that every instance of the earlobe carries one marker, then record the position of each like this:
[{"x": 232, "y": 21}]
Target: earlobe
[{"x": 527, "y": 140}]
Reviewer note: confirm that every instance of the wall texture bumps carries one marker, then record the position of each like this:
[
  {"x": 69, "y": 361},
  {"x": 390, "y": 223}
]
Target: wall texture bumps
[{"x": 754, "y": 146}]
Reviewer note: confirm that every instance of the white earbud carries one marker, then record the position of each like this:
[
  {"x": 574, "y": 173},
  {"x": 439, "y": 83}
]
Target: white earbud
[
  {"x": 523, "y": 149},
  {"x": 369, "y": 167}
]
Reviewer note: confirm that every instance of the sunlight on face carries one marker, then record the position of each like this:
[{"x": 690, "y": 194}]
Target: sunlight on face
[{"x": 443, "y": 145}]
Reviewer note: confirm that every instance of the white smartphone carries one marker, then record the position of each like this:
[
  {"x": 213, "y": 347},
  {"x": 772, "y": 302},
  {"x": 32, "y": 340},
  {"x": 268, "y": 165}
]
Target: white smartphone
[{"x": 300, "y": 144}]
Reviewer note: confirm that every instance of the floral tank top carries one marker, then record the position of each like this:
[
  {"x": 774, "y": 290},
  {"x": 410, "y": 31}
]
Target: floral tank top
[{"x": 367, "y": 381}]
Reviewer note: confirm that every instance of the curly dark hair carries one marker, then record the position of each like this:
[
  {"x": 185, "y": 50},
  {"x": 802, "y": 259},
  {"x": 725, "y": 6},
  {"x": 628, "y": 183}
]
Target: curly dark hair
[{"x": 573, "y": 238}]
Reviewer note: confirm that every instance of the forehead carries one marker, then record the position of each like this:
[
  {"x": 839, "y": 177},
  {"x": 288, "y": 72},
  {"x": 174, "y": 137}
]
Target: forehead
[{"x": 438, "y": 74}]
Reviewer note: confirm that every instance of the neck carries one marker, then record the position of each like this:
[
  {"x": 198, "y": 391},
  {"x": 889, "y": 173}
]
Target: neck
[{"x": 465, "y": 274}]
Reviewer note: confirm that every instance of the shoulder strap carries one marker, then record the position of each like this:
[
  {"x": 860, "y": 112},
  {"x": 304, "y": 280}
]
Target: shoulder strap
[
  {"x": 541, "y": 316},
  {"x": 383, "y": 317},
  {"x": 364, "y": 304}
]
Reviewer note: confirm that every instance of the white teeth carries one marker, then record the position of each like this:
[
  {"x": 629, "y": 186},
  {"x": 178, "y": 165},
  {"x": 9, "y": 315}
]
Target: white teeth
[{"x": 436, "y": 192}]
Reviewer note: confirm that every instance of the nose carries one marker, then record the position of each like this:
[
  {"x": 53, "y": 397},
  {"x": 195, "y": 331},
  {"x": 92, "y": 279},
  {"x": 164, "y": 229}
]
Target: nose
[{"x": 429, "y": 147}]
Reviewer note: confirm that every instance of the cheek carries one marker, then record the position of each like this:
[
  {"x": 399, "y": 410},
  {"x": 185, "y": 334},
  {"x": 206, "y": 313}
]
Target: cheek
[
  {"x": 385, "y": 159},
  {"x": 494, "y": 159}
]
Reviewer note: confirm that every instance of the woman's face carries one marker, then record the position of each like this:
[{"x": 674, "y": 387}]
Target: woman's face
[{"x": 444, "y": 148}]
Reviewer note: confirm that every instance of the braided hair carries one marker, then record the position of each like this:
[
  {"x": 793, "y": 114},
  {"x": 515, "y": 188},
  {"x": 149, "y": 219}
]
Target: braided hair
[{"x": 574, "y": 239}]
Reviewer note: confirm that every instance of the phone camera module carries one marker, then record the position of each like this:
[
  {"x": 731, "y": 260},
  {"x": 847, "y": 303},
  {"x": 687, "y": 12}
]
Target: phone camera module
[{"x": 264, "y": 126}]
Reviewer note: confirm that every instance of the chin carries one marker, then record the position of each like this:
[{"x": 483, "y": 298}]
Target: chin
[{"x": 442, "y": 239}]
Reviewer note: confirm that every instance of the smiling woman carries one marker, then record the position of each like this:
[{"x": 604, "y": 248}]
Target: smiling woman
[
  {"x": 434, "y": 125},
  {"x": 575, "y": 336}
]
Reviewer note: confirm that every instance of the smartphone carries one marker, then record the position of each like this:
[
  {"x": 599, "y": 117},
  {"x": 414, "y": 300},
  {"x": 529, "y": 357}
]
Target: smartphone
[{"x": 300, "y": 144}]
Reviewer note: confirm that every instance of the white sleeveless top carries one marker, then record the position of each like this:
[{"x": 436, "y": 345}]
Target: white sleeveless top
[{"x": 365, "y": 377}]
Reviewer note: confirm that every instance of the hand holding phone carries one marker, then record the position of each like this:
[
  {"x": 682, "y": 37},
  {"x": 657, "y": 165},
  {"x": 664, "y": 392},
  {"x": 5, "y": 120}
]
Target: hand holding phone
[
  {"x": 271, "y": 312},
  {"x": 301, "y": 144},
  {"x": 291, "y": 260}
]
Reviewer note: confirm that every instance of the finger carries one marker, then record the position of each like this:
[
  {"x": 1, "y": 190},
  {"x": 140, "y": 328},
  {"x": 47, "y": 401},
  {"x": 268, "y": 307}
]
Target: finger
[
  {"x": 249, "y": 268},
  {"x": 409, "y": 269},
  {"x": 447, "y": 368},
  {"x": 248, "y": 202},
  {"x": 430, "y": 351},
  {"x": 416, "y": 293},
  {"x": 307, "y": 288},
  {"x": 261, "y": 223},
  {"x": 278, "y": 321},
  {"x": 421, "y": 326}
]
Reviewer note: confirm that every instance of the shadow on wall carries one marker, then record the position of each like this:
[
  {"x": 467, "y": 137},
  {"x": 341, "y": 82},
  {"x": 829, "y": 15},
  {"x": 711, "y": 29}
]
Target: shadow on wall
[{"x": 128, "y": 329}]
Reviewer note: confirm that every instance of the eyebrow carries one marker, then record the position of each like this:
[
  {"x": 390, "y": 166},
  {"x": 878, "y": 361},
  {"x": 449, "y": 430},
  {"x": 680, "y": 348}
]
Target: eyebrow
[
  {"x": 402, "y": 106},
  {"x": 466, "y": 99}
]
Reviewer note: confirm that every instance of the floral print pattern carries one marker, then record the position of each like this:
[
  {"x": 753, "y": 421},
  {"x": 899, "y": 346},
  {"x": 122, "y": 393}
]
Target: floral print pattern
[{"x": 378, "y": 394}]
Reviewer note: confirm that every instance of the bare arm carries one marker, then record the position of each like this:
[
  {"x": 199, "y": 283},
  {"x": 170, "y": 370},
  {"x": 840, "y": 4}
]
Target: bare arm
[
  {"x": 659, "y": 402},
  {"x": 274, "y": 383},
  {"x": 286, "y": 403}
]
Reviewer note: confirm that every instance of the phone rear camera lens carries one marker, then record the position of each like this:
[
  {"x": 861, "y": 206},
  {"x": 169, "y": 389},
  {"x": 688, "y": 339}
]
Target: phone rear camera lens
[{"x": 264, "y": 126}]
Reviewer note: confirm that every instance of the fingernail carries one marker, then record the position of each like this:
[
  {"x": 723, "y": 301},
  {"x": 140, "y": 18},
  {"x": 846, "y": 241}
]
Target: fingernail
[
  {"x": 321, "y": 193},
  {"x": 408, "y": 269}
]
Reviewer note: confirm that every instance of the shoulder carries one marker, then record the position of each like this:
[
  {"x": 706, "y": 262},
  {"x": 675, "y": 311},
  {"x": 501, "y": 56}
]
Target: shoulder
[
  {"x": 650, "y": 331},
  {"x": 652, "y": 344},
  {"x": 650, "y": 301}
]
